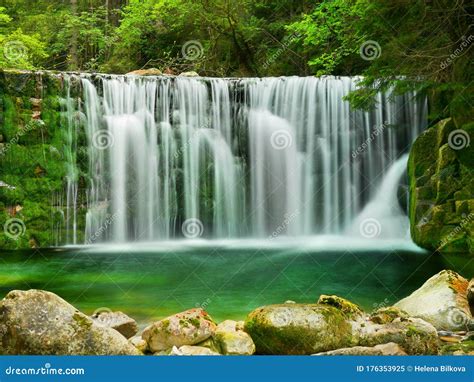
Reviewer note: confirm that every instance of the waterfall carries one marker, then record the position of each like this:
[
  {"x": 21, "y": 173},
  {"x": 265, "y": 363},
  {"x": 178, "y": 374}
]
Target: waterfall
[
  {"x": 383, "y": 217},
  {"x": 235, "y": 157}
]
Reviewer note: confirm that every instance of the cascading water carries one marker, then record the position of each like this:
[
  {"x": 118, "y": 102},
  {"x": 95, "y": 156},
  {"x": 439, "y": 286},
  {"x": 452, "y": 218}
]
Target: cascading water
[{"x": 241, "y": 157}]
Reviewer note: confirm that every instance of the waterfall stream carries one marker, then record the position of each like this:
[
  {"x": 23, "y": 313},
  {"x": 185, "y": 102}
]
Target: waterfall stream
[{"x": 229, "y": 158}]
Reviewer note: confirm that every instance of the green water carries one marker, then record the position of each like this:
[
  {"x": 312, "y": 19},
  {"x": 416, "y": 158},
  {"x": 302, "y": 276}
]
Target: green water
[{"x": 228, "y": 282}]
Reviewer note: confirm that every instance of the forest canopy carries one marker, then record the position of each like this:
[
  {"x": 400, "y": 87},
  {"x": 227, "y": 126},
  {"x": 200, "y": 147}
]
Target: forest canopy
[{"x": 422, "y": 44}]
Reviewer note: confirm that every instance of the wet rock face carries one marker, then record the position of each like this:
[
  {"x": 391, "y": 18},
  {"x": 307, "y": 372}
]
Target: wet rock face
[
  {"x": 40, "y": 322},
  {"x": 441, "y": 172},
  {"x": 186, "y": 328},
  {"x": 441, "y": 301},
  {"x": 298, "y": 329}
]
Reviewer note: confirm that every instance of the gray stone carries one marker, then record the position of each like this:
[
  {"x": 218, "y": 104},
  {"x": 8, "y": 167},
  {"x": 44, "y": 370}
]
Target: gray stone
[
  {"x": 441, "y": 301},
  {"x": 41, "y": 323},
  {"x": 192, "y": 350},
  {"x": 119, "y": 321}
]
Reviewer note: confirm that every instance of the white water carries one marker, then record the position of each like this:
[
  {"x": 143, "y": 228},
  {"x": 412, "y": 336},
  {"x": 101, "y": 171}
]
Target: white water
[
  {"x": 243, "y": 158},
  {"x": 384, "y": 209}
]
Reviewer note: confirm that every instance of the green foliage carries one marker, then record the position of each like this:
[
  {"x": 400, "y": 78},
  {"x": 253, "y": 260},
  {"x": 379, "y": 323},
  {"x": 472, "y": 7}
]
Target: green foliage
[
  {"x": 19, "y": 50},
  {"x": 419, "y": 44}
]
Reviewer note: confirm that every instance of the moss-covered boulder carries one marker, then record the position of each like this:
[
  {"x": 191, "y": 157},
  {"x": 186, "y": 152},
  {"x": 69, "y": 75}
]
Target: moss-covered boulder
[
  {"x": 442, "y": 301},
  {"x": 298, "y": 329},
  {"x": 41, "y": 323},
  {"x": 186, "y": 328},
  {"x": 441, "y": 173}
]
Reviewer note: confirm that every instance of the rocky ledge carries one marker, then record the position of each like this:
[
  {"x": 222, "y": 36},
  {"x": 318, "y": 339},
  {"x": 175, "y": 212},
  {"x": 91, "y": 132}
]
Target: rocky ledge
[{"x": 435, "y": 319}]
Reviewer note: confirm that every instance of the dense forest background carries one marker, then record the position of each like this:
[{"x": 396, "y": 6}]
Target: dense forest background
[{"x": 423, "y": 44}]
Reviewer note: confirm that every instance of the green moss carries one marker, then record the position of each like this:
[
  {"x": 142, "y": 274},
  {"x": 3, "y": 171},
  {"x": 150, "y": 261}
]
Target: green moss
[
  {"x": 345, "y": 306},
  {"x": 440, "y": 177},
  {"x": 296, "y": 337},
  {"x": 33, "y": 159}
]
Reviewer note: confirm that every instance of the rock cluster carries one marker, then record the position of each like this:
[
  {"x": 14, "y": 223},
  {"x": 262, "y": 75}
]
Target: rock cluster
[{"x": 435, "y": 319}]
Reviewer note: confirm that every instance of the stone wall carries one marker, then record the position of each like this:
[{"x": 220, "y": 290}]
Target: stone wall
[{"x": 441, "y": 172}]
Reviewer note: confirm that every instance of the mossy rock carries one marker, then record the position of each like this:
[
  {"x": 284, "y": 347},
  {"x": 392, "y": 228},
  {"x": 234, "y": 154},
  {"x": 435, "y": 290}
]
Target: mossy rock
[
  {"x": 298, "y": 329},
  {"x": 386, "y": 315},
  {"x": 345, "y": 306},
  {"x": 440, "y": 175},
  {"x": 186, "y": 328}
]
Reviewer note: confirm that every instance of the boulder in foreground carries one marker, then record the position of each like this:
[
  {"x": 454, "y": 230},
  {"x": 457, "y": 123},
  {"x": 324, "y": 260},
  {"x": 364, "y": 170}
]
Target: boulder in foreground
[
  {"x": 41, "y": 323},
  {"x": 119, "y": 321},
  {"x": 298, "y": 329},
  {"x": 230, "y": 340},
  {"x": 441, "y": 301},
  {"x": 186, "y": 328}
]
